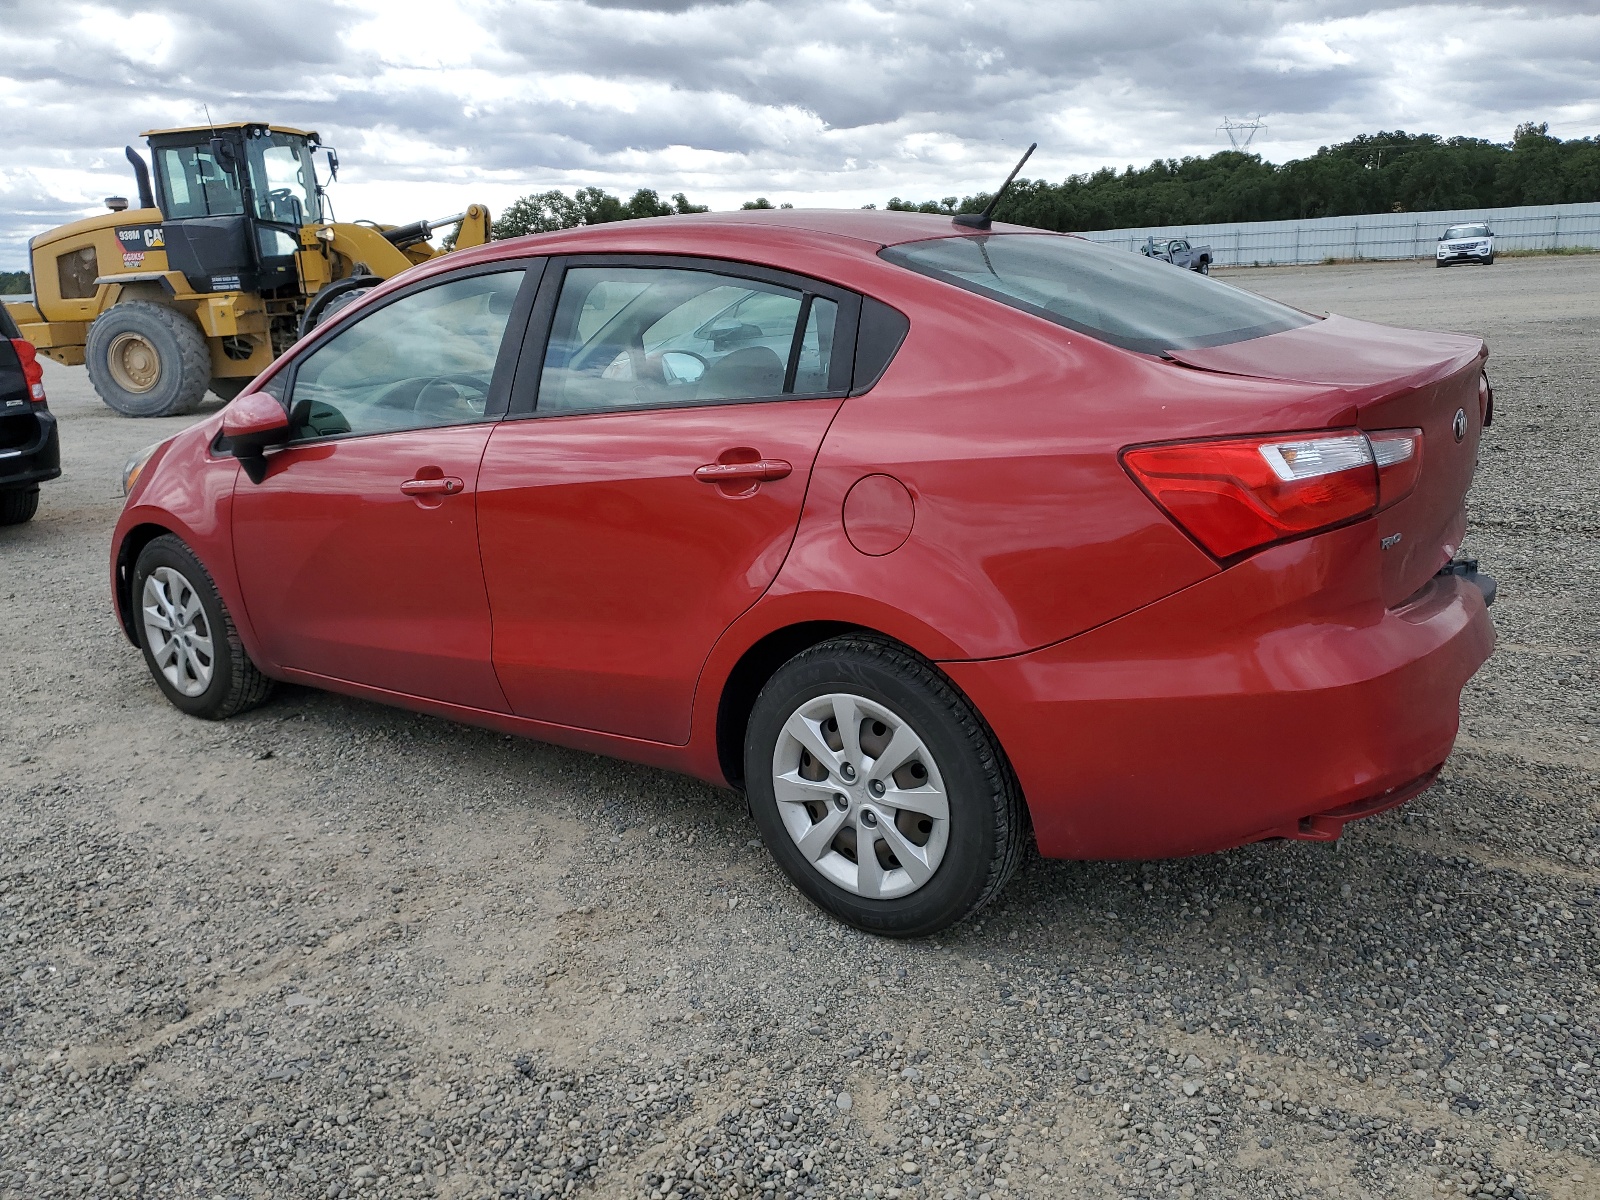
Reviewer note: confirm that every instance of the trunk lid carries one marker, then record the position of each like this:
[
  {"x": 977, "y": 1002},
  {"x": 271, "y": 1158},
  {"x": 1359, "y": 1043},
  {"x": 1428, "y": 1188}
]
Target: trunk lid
[{"x": 1391, "y": 379}]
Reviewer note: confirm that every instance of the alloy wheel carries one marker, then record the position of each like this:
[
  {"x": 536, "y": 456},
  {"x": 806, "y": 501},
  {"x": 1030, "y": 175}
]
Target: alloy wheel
[
  {"x": 860, "y": 794},
  {"x": 177, "y": 631}
]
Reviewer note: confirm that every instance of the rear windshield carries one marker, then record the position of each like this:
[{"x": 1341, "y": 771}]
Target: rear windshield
[{"x": 1123, "y": 298}]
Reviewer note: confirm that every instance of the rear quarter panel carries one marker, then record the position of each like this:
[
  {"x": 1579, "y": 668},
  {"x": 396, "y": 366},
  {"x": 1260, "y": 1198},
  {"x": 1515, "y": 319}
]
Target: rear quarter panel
[{"x": 1006, "y": 430}]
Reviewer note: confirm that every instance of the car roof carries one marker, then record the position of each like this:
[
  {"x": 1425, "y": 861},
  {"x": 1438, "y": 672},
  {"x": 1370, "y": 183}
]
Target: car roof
[
  {"x": 779, "y": 238},
  {"x": 876, "y": 227}
]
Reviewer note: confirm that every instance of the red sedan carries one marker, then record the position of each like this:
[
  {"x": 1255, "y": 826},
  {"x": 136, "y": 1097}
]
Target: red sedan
[{"x": 918, "y": 534}]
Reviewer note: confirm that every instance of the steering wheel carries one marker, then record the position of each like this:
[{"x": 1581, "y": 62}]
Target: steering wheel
[{"x": 458, "y": 396}]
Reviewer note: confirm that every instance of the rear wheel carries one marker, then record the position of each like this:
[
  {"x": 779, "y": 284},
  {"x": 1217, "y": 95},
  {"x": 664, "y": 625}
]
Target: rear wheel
[
  {"x": 189, "y": 641},
  {"x": 880, "y": 790},
  {"x": 148, "y": 360},
  {"x": 18, "y": 505}
]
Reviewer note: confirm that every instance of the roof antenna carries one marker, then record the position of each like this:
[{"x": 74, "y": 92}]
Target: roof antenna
[{"x": 984, "y": 219}]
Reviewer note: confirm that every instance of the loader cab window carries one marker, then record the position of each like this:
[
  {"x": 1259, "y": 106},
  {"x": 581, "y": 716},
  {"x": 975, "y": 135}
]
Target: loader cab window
[
  {"x": 282, "y": 179},
  {"x": 193, "y": 184}
]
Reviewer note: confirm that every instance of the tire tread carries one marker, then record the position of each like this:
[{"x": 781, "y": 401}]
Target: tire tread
[
  {"x": 194, "y": 355},
  {"x": 247, "y": 686},
  {"x": 18, "y": 505}
]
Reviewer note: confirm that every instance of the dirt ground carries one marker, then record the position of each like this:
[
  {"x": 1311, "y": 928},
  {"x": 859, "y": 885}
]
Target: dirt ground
[{"x": 334, "y": 949}]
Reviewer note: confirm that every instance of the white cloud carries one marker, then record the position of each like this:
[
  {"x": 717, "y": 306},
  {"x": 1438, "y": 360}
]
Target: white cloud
[{"x": 831, "y": 101}]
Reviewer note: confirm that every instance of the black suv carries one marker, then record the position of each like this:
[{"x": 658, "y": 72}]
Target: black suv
[{"x": 30, "y": 448}]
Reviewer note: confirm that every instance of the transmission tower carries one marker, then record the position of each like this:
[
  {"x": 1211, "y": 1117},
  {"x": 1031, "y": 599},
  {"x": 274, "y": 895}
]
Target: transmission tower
[{"x": 1242, "y": 133}]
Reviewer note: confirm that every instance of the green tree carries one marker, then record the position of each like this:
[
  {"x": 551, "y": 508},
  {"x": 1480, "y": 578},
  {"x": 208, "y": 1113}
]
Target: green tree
[
  {"x": 15, "y": 283},
  {"x": 547, "y": 211},
  {"x": 1388, "y": 171}
]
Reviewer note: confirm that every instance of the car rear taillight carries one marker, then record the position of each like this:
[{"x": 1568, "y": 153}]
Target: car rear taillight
[
  {"x": 32, "y": 369},
  {"x": 1397, "y": 453},
  {"x": 1241, "y": 494}
]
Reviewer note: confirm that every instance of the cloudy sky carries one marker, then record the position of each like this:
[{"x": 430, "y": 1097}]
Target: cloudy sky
[{"x": 818, "y": 102}]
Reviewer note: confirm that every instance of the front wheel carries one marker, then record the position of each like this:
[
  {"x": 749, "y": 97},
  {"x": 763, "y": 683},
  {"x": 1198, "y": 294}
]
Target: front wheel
[
  {"x": 333, "y": 298},
  {"x": 189, "y": 640},
  {"x": 147, "y": 360},
  {"x": 1489, "y": 262},
  {"x": 880, "y": 790}
]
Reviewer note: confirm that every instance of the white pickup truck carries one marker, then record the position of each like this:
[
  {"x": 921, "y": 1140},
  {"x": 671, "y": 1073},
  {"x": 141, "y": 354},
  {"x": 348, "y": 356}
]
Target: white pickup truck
[{"x": 1179, "y": 253}]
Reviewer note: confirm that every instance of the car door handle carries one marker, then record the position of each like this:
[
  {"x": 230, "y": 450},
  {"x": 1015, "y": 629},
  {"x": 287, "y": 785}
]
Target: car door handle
[
  {"x": 762, "y": 471},
  {"x": 447, "y": 486}
]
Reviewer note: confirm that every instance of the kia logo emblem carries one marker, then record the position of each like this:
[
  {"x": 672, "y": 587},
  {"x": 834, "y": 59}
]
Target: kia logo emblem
[{"x": 1459, "y": 425}]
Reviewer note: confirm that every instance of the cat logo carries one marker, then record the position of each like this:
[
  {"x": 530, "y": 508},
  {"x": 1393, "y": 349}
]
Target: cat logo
[{"x": 136, "y": 239}]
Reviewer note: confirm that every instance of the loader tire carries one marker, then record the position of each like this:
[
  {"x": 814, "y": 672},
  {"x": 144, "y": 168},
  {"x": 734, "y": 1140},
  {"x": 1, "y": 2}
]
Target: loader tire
[
  {"x": 148, "y": 360},
  {"x": 227, "y": 387},
  {"x": 333, "y": 298}
]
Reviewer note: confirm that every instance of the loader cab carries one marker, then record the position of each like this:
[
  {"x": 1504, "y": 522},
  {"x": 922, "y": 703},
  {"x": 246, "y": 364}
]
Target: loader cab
[{"x": 233, "y": 199}]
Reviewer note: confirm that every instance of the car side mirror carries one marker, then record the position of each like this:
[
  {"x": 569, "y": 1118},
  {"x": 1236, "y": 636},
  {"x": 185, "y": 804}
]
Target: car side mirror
[{"x": 251, "y": 424}]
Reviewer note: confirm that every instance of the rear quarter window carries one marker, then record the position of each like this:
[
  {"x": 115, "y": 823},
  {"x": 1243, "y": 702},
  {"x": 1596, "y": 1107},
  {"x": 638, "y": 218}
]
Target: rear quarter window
[{"x": 1126, "y": 299}]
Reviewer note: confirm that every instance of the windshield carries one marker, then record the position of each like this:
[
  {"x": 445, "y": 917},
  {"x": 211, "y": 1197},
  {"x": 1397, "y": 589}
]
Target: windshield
[
  {"x": 1126, "y": 299},
  {"x": 195, "y": 184},
  {"x": 1465, "y": 231},
  {"x": 283, "y": 179}
]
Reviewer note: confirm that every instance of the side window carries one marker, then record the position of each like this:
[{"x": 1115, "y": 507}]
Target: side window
[
  {"x": 646, "y": 337},
  {"x": 425, "y": 360}
]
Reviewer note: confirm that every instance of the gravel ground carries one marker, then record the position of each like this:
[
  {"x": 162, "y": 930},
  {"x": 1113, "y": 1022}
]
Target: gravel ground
[{"x": 331, "y": 949}]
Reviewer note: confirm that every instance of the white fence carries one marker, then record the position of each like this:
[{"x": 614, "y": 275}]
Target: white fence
[{"x": 1373, "y": 235}]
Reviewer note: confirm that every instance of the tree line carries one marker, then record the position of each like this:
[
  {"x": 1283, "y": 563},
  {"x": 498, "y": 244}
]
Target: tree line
[
  {"x": 15, "y": 283},
  {"x": 1373, "y": 172},
  {"x": 1377, "y": 172},
  {"x": 547, "y": 211}
]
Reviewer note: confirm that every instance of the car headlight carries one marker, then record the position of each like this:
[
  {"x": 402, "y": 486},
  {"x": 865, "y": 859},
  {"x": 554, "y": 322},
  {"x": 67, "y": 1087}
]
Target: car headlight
[{"x": 136, "y": 464}]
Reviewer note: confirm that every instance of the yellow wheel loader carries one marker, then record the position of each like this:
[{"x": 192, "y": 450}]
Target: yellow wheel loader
[{"x": 231, "y": 255}]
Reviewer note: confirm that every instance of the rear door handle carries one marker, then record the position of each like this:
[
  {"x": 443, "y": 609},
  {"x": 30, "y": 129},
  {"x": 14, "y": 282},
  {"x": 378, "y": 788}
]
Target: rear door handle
[
  {"x": 447, "y": 486},
  {"x": 763, "y": 471}
]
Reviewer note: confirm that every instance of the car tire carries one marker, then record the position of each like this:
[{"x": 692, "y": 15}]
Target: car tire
[
  {"x": 18, "y": 505},
  {"x": 188, "y": 637},
  {"x": 1489, "y": 262},
  {"x": 1439, "y": 262},
  {"x": 148, "y": 360},
  {"x": 813, "y": 827}
]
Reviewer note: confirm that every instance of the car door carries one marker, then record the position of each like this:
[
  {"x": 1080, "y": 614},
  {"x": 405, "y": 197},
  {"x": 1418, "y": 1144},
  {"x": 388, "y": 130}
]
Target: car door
[
  {"x": 358, "y": 552},
  {"x": 647, "y": 485}
]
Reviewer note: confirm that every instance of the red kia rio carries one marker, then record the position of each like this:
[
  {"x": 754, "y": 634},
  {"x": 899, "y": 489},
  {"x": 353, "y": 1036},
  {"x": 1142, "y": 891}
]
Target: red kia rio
[{"x": 921, "y": 535}]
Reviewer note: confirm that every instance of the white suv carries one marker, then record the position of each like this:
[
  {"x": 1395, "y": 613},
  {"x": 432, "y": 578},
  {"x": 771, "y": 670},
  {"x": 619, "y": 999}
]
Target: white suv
[{"x": 1465, "y": 243}]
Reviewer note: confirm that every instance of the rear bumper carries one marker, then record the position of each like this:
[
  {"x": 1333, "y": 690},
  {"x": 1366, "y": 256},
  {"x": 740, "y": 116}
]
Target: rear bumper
[
  {"x": 30, "y": 452},
  {"x": 1267, "y": 701}
]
